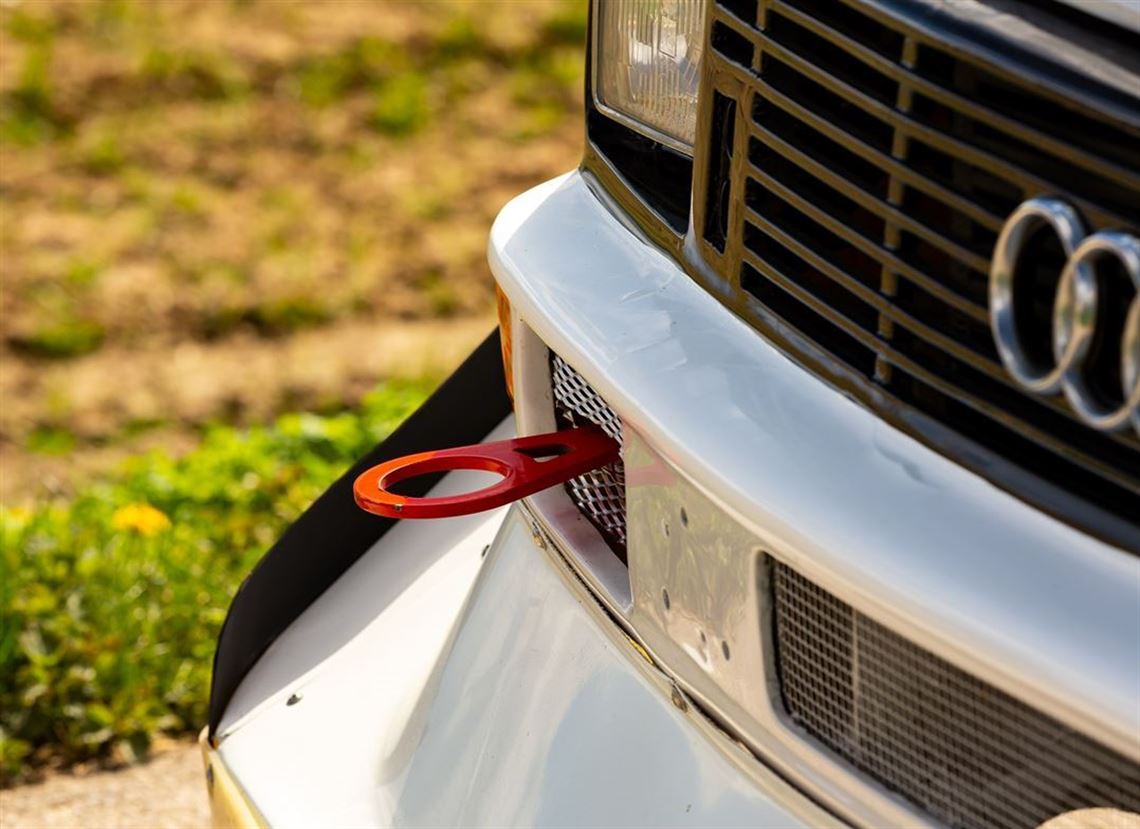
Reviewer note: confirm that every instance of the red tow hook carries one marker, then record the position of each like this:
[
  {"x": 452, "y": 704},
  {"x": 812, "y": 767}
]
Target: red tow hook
[{"x": 528, "y": 465}]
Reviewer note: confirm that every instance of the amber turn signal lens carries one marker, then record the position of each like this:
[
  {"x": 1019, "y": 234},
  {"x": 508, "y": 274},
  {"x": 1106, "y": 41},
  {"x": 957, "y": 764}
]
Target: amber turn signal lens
[{"x": 504, "y": 307}]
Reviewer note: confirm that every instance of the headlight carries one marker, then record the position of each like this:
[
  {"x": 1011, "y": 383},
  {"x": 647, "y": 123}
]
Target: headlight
[{"x": 647, "y": 58}]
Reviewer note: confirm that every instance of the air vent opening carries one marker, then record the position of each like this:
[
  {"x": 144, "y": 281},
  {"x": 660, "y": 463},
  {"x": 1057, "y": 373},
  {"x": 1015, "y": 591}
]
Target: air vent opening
[
  {"x": 719, "y": 185},
  {"x": 599, "y": 495},
  {"x": 854, "y": 24},
  {"x": 830, "y": 106},
  {"x": 1058, "y": 169},
  {"x": 961, "y": 750},
  {"x": 832, "y": 59},
  {"x": 733, "y": 46}
]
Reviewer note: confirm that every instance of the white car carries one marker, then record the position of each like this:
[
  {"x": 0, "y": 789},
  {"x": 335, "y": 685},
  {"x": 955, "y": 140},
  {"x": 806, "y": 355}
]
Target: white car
[{"x": 854, "y": 285}]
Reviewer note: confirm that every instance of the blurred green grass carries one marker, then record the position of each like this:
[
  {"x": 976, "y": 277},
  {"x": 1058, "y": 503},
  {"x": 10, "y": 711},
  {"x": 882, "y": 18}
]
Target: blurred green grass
[
  {"x": 188, "y": 181},
  {"x": 111, "y": 600},
  {"x": 186, "y": 172}
]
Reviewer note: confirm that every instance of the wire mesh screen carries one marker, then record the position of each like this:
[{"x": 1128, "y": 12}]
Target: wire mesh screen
[
  {"x": 961, "y": 750},
  {"x": 600, "y": 494}
]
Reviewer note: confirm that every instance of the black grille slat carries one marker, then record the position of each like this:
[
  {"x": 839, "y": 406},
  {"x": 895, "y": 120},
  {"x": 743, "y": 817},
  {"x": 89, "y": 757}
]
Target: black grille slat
[
  {"x": 985, "y": 360},
  {"x": 886, "y": 257},
  {"x": 884, "y": 65},
  {"x": 896, "y": 121},
  {"x": 858, "y": 67},
  {"x": 820, "y": 327},
  {"x": 883, "y": 209},
  {"x": 872, "y": 184},
  {"x": 858, "y": 114},
  {"x": 891, "y": 166},
  {"x": 1091, "y": 138},
  {"x": 847, "y": 319},
  {"x": 1030, "y": 152},
  {"x": 958, "y": 748}
]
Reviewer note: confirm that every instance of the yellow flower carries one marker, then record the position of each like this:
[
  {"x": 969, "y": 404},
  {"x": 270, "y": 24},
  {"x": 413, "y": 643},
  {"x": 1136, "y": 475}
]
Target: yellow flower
[{"x": 140, "y": 518}]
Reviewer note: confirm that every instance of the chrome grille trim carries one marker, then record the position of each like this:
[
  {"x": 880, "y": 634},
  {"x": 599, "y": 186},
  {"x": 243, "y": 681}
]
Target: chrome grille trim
[
  {"x": 963, "y": 751},
  {"x": 599, "y": 494},
  {"x": 872, "y": 166}
]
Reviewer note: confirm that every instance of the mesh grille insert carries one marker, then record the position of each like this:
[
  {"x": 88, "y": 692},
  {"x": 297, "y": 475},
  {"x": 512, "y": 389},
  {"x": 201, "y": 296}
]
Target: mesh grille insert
[
  {"x": 600, "y": 494},
  {"x": 958, "y": 748}
]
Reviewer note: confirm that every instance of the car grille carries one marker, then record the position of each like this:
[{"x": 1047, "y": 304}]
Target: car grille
[
  {"x": 959, "y": 749},
  {"x": 855, "y": 209},
  {"x": 600, "y": 493}
]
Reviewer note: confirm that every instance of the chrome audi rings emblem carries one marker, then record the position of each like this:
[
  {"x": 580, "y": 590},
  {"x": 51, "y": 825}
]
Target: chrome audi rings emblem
[{"x": 1065, "y": 358}]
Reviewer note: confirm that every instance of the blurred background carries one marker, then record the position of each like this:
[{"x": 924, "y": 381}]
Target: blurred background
[{"x": 239, "y": 241}]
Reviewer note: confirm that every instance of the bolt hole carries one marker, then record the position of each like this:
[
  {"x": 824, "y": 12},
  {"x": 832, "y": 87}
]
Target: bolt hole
[
  {"x": 542, "y": 454},
  {"x": 724, "y": 650},
  {"x": 665, "y": 597},
  {"x": 684, "y": 518},
  {"x": 704, "y": 639}
]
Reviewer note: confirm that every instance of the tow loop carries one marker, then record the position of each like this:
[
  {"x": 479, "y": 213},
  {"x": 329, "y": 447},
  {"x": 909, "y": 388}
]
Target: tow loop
[{"x": 527, "y": 465}]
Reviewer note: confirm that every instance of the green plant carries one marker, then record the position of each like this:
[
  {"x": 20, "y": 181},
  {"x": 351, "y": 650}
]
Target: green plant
[
  {"x": 288, "y": 314},
  {"x": 58, "y": 339},
  {"x": 401, "y": 104},
  {"x": 439, "y": 292},
  {"x": 28, "y": 113},
  {"x": 324, "y": 79},
  {"x": 102, "y": 154},
  {"x": 50, "y": 440},
  {"x": 111, "y": 601},
  {"x": 209, "y": 75},
  {"x": 80, "y": 273},
  {"x": 566, "y": 26},
  {"x": 458, "y": 38}
]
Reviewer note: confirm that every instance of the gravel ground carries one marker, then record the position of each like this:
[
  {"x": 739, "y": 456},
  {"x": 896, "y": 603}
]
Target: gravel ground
[{"x": 166, "y": 793}]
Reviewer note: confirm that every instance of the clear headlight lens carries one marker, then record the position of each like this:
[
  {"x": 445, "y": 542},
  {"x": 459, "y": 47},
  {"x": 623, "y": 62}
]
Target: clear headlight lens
[{"x": 647, "y": 65}]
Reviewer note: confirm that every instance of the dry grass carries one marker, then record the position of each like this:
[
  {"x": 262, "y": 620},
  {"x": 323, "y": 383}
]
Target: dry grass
[{"x": 218, "y": 178}]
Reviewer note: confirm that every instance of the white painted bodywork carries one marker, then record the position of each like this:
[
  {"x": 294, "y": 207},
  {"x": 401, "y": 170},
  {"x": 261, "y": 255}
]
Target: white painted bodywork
[
  {"x": 1124, "y": 13},
  {"x": 534, "y": 711},
  {"x": 400, "y": 600},
  {"x": 439, "y": 687}
]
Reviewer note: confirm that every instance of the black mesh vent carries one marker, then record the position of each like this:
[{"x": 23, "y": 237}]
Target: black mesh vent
[
  {"x": 966, "y": 753},
  {"x": 599, "y": 494}
]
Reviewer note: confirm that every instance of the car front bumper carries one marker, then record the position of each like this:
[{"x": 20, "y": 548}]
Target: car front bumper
[
  {"x": 433, "y": 684},
  {"x": 962, "y": 567},
  {"x": 532, "y": 708}
]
